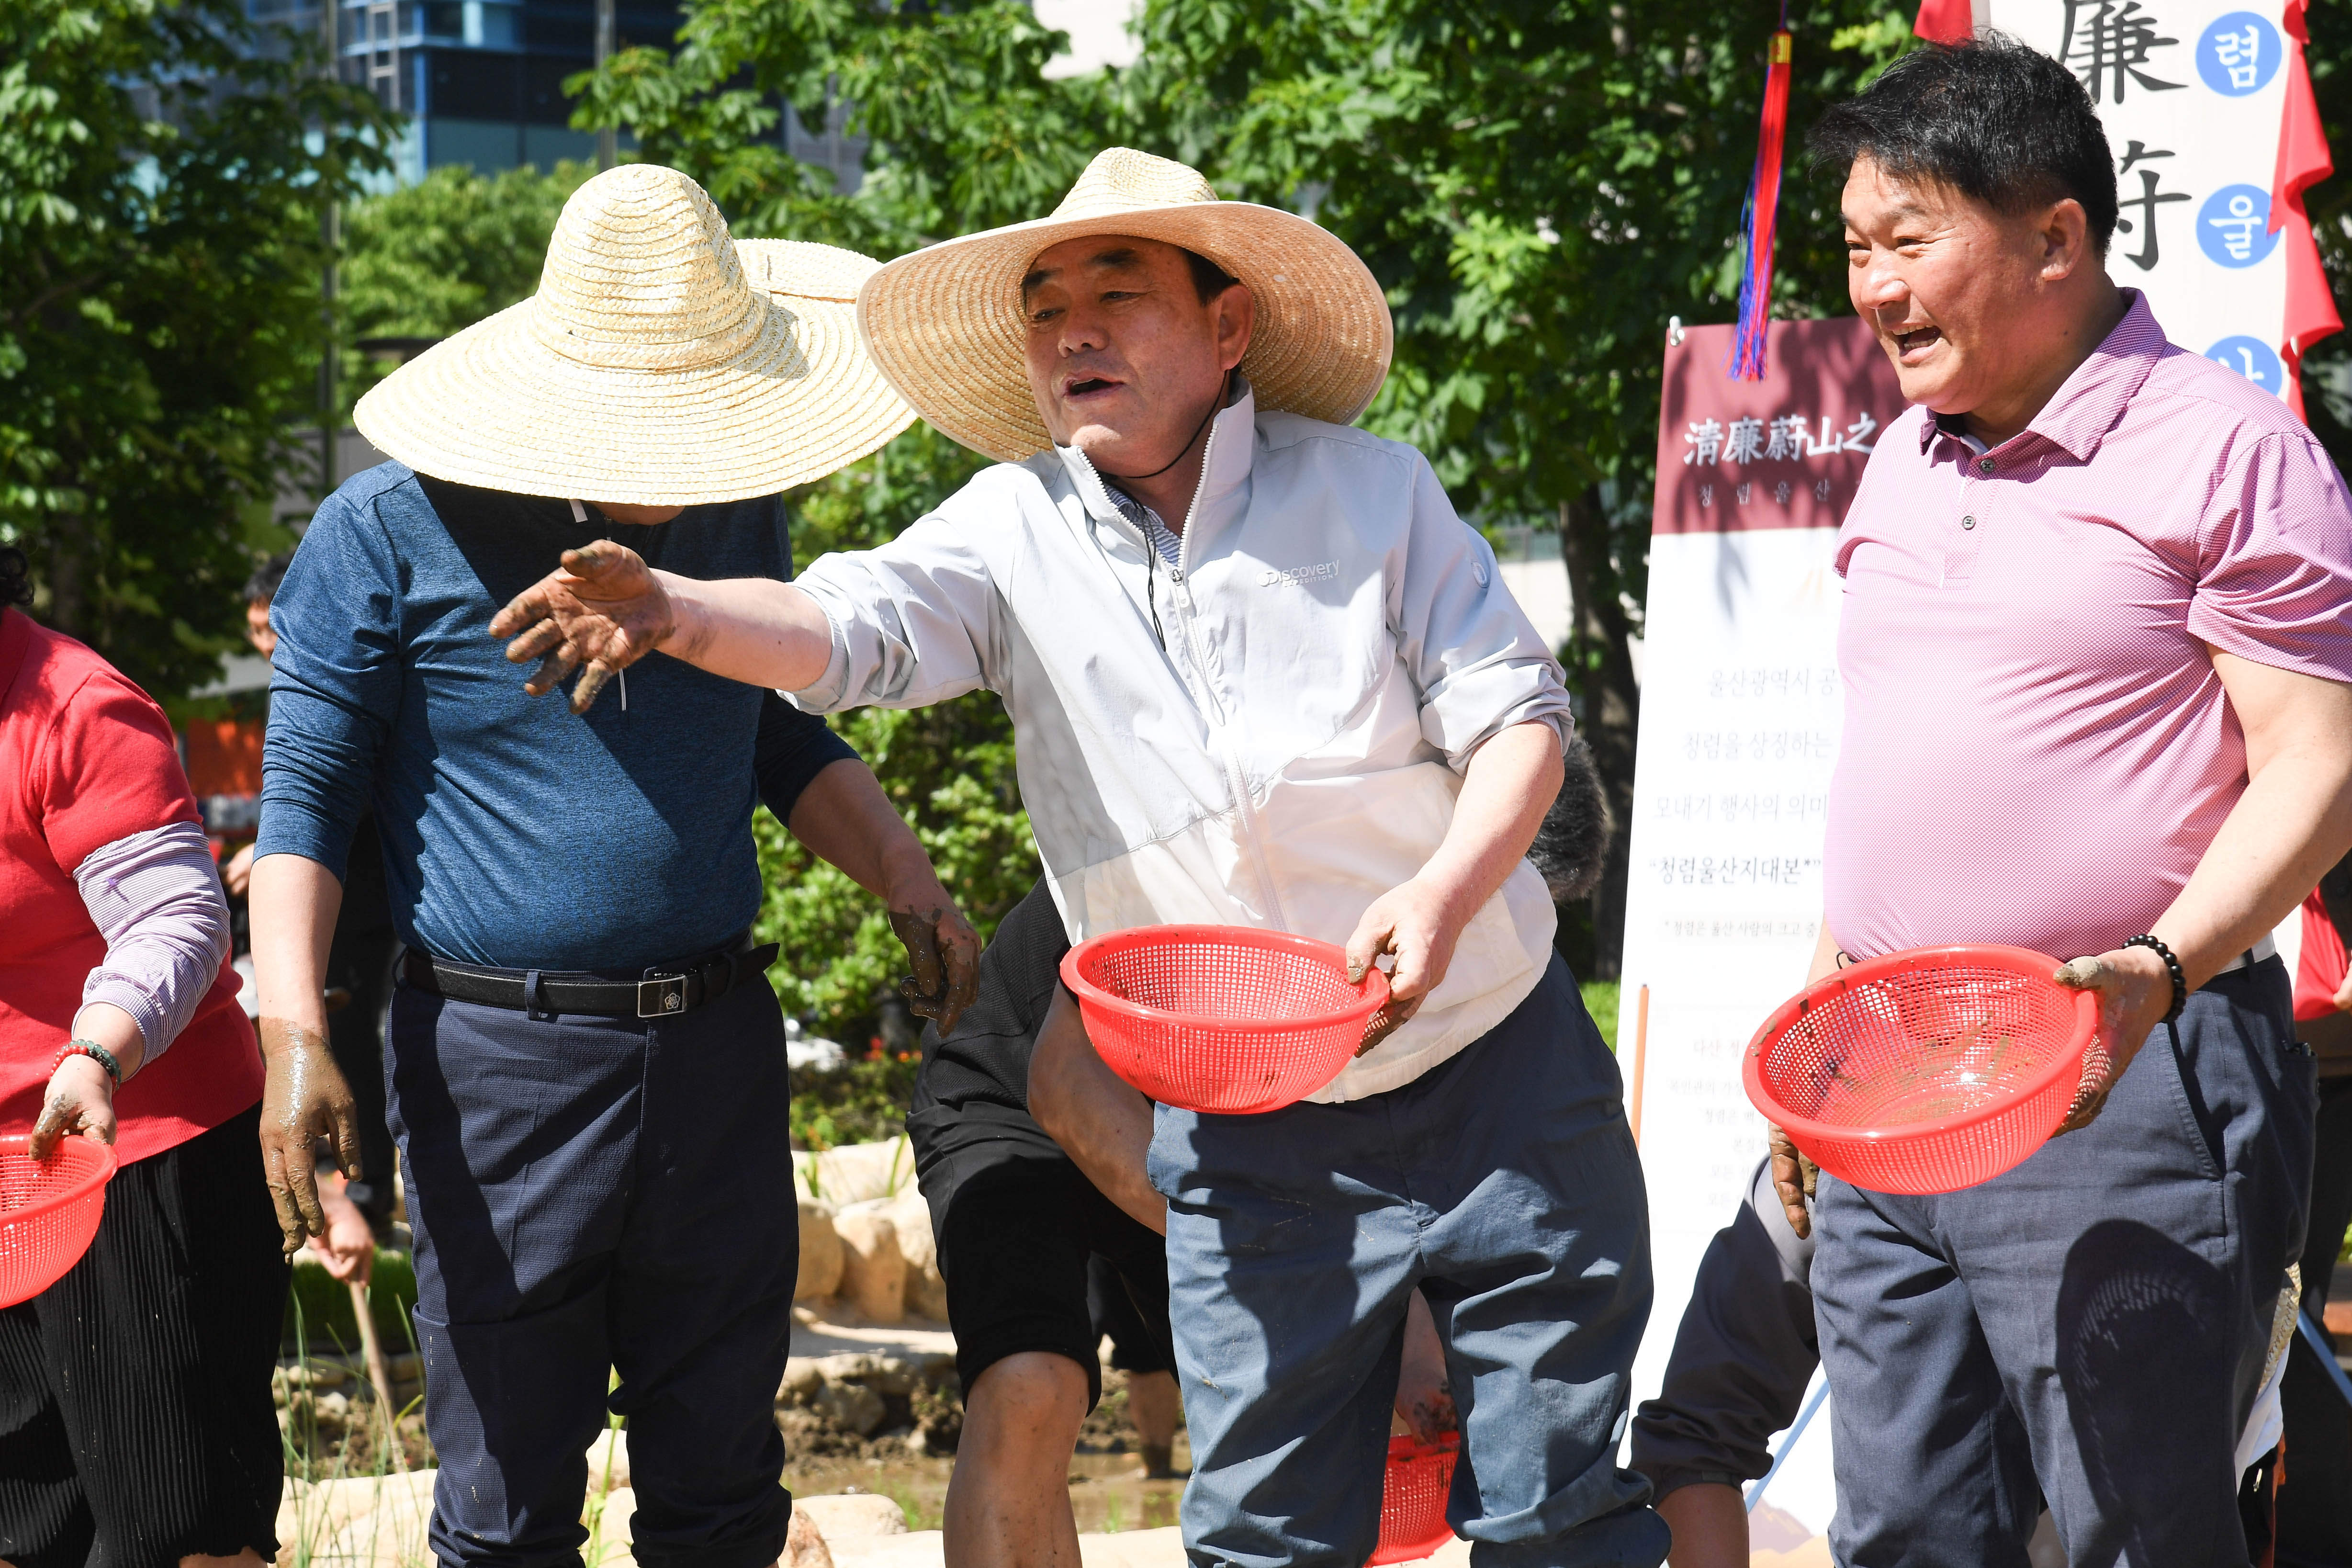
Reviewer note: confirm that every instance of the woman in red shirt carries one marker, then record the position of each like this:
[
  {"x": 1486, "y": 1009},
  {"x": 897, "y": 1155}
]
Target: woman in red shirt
[{"x": 136, "y": 1423}]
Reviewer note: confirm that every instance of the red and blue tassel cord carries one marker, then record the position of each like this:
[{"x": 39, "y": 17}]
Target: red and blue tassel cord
[{"x": 1761, "y": 213}]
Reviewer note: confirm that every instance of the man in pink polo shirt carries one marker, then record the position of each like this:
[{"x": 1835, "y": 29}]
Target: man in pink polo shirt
[{"x": 2096, "y": 665}]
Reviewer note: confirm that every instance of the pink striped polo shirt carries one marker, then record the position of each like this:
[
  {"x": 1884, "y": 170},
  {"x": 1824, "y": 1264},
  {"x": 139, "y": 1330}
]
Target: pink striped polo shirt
[{"x": 2037, "y": 749}]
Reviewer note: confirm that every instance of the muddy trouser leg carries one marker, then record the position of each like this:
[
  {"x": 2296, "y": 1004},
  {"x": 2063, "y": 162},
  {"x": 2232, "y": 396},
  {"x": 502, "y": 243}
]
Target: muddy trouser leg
[
  {"x": 1505, "y": 1182},
  {"x": 2090, "y": 1326}
]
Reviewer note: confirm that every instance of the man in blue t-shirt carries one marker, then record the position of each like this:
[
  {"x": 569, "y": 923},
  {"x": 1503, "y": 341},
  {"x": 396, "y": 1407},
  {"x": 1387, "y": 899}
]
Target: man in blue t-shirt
[{"x": 585, "y": 1064}]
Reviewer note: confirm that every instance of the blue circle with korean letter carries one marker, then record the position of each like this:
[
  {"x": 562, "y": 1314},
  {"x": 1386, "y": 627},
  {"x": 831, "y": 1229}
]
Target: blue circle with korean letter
[
  {"x": 2253, "y": 358},
  {"x": 2233, "y": 225},
  {"x": 2238, "y": 54}
]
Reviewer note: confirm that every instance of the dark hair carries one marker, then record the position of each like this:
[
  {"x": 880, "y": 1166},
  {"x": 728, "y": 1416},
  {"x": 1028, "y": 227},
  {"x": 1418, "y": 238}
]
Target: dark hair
[
  {"x": 1571, "y": 846},
  {"x": 1209, "y": 279},
  {"x": 1991, "y": 119},
  {"x": 262, "y": 587},
  {"x": 15, "y": 587}
]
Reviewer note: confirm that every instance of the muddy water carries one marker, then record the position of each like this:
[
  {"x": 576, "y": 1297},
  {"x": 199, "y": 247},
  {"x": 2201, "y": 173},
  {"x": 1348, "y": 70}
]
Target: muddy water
[{"x": 1108, "y": 1491}]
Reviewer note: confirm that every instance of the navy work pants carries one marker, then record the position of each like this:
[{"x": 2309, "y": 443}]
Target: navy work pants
[
  {"x": 595, "y": 1194},
  {"x": 1504, "y": 1184},
  {"x": 2089, "y": 1328}
]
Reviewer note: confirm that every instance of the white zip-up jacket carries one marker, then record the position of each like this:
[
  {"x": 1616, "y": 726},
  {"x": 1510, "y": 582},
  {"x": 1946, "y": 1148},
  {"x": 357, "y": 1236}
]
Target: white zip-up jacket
[{"x": 1337, "y": 643}]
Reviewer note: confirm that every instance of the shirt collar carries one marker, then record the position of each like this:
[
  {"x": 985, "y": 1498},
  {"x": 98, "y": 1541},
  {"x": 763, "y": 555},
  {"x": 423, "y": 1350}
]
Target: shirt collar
[
  {"x": 2090, "y": 402},
  {"x": 1232, "y": 446}
]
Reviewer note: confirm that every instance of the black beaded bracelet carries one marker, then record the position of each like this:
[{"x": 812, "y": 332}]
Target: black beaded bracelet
[{"x": 2179, "y": 980}]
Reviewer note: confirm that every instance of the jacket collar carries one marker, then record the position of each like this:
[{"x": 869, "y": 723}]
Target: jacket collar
[
  {"x": 1233, "y": 446},
  {"x": 2090, "y": 402}
]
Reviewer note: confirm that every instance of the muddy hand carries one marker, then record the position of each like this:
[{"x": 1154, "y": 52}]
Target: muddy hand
[
  {"x": 80, "y": 1099},
  {"x": 1795, "y": 1178},
  {"x": 303, "y": 1098},
  {"x": 2099, "y": 1066},
  {"x": 602, "y": 613},
  {"x": 944, "y": 951}
]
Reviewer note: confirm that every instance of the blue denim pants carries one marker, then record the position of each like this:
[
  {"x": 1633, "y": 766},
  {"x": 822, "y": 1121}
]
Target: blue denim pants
[
  {"x": 2088, "y": 1329},
  {"x": 1504, "y": 1182},
  {"x": 594, "y": 1195}
]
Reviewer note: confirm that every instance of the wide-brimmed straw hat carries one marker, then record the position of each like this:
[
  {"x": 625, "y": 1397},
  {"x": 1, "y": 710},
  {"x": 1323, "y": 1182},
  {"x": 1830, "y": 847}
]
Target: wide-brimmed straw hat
[
  {"x": 945, "y": 324},
  {"x": 659, "y": 364}
]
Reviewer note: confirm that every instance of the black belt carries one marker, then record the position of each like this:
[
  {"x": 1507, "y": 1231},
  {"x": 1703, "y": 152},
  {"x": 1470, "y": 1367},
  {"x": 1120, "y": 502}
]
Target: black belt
[{"x": 665, "y": 990}]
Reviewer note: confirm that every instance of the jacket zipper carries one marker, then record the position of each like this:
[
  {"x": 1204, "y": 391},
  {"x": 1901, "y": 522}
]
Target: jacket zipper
[{"x": 1253, "y": 833}]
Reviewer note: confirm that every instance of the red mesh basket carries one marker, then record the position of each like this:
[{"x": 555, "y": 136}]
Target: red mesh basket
[
  {"x": 1926, "y": 1070},
  {"x": 1413, "y": 1499},
  {"x": 1221, "y": 1019},
  {"x": 48, "y": 1212}
]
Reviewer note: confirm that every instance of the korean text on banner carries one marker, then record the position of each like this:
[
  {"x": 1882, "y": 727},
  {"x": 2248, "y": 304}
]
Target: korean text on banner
[
  {"x": 1740, "y": 712},
  {"x": 2193, "y": 94}
]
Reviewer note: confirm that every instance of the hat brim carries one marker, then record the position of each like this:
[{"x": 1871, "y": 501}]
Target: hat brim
[
  {"x": 495, "y": 407},
  {"x": 944, "y": 324}
]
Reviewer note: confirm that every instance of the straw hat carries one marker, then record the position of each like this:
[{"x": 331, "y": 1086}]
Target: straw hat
[
  {"x": 945, "y": 323},
  {"x": 659, "y": 363}
]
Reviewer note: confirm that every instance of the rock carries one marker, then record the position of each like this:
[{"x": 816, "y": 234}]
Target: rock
[
  {"x": 804, "y": 1543},
  {"x": 804, "y": 1380},
  {"x": 820, "y": 1272},
  {"x": 884, "y": 1374},
  {"x": 608, "y": 1461},
  {"x": 855, "y": 1172},
  {"x": 927, "y": 1291},
  {"x": 872, "y": 1273},
  {"x": 852, "y": 1407},
  {"x": 852, "y": 1516}
]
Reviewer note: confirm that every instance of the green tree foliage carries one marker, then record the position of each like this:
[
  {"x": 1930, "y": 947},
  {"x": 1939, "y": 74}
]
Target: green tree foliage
[
  {"x": 159, "y": 309},
  {"x": 433, "y": 258},
  {"x": 949, "y": 769}
]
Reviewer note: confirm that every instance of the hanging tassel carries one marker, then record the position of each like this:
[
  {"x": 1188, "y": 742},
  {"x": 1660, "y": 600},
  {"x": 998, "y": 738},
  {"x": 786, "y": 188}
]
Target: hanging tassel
[{"x": 1758, "y": 218}]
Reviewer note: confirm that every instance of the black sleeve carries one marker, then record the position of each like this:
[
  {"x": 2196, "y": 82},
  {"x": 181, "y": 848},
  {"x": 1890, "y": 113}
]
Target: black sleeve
[
  {"x": 1743, "y": 1355},
  {"x": 792, "y": 748}
]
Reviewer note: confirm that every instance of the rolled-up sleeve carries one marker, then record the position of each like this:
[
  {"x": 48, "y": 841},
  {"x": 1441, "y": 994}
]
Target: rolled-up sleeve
[
  {"x": 335, "y": 684},
  {"x": 911, "y": 622},
  {"x": 1479, "y": 664}
]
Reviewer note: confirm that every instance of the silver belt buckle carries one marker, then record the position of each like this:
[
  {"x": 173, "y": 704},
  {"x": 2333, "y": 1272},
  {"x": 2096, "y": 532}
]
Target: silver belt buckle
[{"x": 661, "y": 995}]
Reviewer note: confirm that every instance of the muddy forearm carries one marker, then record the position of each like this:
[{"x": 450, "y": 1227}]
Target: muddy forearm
[{"x": 751, "y": 629}]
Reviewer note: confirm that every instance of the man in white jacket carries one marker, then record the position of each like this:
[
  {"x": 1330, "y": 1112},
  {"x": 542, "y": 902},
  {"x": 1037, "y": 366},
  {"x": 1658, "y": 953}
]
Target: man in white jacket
[{"x": 1260, "y": 673}]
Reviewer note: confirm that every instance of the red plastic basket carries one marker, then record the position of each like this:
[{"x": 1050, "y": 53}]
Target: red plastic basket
[
  {"x": 1221, "y": 1019},
  {"x": 1413, "y": 1499},
  {"x": 48, "y": 1212},
  {"x": 1926, "y": 1070}
]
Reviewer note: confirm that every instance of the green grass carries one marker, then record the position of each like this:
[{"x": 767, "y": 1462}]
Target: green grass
[{"x": 1601, "y": 1001}]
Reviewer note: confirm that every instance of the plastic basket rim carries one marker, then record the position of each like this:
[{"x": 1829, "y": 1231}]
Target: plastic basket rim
[
  {"x": 18, "y": 1143},
  {"x": 2020, "y": 961},
  {"x": 1375, "y": 981}
]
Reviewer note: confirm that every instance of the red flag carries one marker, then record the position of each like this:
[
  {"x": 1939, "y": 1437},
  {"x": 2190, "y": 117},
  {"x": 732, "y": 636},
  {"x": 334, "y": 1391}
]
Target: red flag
[
  {"x": 2303, "y": 162},
  {"x": 1944, "y": 21},
  {"x": 1763, "y": 213}
]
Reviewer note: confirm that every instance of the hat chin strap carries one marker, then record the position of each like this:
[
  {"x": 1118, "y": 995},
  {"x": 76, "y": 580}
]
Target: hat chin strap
[{"x": 1225, "y": 394}]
